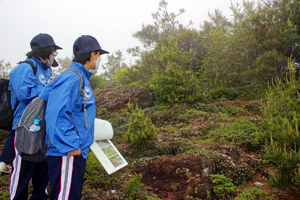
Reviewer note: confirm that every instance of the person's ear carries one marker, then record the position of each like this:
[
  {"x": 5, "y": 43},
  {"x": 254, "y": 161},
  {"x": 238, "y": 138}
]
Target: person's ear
[{"x": 92, "y": 57}]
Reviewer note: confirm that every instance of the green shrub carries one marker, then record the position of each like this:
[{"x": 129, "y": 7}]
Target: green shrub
[
  {"x": 205, "y": 107},
  {"x": 254, "y": 107},
  {"x": 191, "y": 113},
  {"x": 222, "y": 183},
  {"x": 169, "y": 128},
  {"x": 280, "y": 128},
  {"x": 232, "y": 111},
  {"x": 174, "y": 85},
  {"x": 210, "y": 127},
  {"x": 254, "y": 90},
  {"x": 232, "y": 94},
  {"x": 242, "y": 174},
  {"x": 220, "y": 104},
  {"x": 151, "y": 150},
  {"x": 173, "y": 80},
  {"x": 239, "y": 174},
  {"x": 240, "y": 132},
  {"x": 132, "y": 187},
  {"x": 144, "y": 150},
  {"x": 140, "y": 131},
  {"x": 173, "y": 148},
  {"x": 4, "y": 185},
  {"x": 253, "y": 194},
  {"x": 157, "y": 115},
  {"x": 219, "y": 92},
  {"x": 120, "y": 125},
  {"x": 95, "y": 176},
  {"x": 185, "y": 133},
  {"x": 103, "y": 111}
]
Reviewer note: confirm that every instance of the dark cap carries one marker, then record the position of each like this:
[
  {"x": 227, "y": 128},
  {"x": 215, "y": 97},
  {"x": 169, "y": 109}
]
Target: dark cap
[
  {"x": 86, "y": 44},
  {"x": 43, "y": 40}
]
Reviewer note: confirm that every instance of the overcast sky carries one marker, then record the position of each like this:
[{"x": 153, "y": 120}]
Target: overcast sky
[{"x": 111, "y": 22}]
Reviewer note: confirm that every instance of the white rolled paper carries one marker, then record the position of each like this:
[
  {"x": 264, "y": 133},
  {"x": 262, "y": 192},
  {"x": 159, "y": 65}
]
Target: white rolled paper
[{"x": 103, "y": 130}]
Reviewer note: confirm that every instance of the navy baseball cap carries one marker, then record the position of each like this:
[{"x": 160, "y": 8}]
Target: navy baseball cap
[
  {"x": 86, "y": 44},
  {"x": 43, "y": 40}
]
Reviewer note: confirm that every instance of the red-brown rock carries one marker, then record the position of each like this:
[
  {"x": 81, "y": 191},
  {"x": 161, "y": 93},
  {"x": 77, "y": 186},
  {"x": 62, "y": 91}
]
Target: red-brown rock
[
  {"x": 180, "y": 176},
  {"x": 115, "y": 100}
]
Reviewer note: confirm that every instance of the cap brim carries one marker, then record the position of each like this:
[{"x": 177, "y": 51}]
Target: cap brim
[
  {"x": 54, "y": 64},
  {"x": 103, "y": 52},
  {"x": 57, "y": 47}
]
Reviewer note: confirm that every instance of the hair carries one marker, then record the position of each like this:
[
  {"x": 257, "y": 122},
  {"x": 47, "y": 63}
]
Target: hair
[
  {"x": 83, "y": 58},
  {"x": 41, "y": 53}
]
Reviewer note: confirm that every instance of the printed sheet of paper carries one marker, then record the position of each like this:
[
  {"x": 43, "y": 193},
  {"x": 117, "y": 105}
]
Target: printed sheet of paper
[{"x": 105, "y": 151}]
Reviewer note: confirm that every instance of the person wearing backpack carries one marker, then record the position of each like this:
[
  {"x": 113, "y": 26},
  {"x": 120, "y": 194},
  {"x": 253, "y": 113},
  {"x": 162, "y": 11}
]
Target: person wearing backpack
[
  {"x": 25, "y": 85},
  {"x": 70, "y": 130}
]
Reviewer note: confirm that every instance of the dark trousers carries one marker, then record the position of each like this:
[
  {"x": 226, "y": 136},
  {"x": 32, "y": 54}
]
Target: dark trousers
[
  {"x": 66, "y": 176},
  {"x": 21, "y": 174},
  {"x": 8, "y": 151}
]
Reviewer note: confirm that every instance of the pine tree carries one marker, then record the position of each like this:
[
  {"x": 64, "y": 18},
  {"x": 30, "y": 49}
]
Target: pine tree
[{"x": 141, "y": 131}]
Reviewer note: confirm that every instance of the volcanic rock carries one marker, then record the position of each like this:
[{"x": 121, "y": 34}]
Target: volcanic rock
[
  {"x": 174, "y": 178},
  {"x": 115, "y": 100}
]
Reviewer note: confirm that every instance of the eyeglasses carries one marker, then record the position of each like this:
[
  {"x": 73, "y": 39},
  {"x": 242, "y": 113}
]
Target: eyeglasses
[
  {"x": 96, "y": 54},
  {"x": 54, "y": 54}
]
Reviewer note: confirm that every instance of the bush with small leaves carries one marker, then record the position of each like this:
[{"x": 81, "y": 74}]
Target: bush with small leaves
[
  {"x": 241, "y": 132},
  {"x": 210, "y": 127},
  {"x": 191, "y": 113},
  {"x": 157, "y": 114},
  {"x": 253, "y": 194},
  {"x": 120, "y": 125},
  {"x": 254, "y": 107},
  {"x": 239, "y": 175},
  {"x": 221, "y": 184},
  {"x": 103, "y": 111},
  {"x": 218, "y": 92},
  {"x": 140, "y": 131},
  {"x": 210, "y": 107},
  {"x": 232, "y": 94},
  {"x": 175, "y": 82},
  {"x": 95, "y": 176},
  {"x": 242, "y": 174},
  {"x": 281, "y": 130},
  {"x": 185, "y": 133},
  {"x": 4, "y": 184},
  {"x": 232, "y": 111},
  {"x": 133, "y": 187}
]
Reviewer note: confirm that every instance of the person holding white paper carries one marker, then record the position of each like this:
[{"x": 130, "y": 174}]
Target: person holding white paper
[{"x": 70, "y": 127}]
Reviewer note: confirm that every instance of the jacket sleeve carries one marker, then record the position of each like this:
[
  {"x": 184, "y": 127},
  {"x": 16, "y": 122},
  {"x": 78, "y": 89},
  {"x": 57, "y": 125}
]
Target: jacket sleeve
[
  {"x": 62, "y": 100},
  {"x": 25, "y": 84}
]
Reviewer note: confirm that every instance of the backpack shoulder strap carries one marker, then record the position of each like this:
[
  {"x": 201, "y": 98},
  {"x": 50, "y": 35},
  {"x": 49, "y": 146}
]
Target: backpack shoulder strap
[
  {"x": 34, "y": 72},
  {"x": 81, "y": 92},
  {"x": 34, "y": 68}
]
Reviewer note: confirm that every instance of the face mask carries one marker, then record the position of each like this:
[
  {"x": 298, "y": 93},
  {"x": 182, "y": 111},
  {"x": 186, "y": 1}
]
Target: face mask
[
  {"x": 50, "y": 61},
  {"x": 97, "y": 63}
]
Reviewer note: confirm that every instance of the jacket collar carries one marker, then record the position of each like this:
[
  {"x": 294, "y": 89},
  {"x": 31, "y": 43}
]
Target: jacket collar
[
  {"x": 80, "y": 67},
  {"x": 39, "y": 62}
]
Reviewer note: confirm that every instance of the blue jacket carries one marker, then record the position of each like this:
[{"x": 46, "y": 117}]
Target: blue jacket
[
  {"x": 25, "y": 86},
  {"x": 62, "y": 99}
]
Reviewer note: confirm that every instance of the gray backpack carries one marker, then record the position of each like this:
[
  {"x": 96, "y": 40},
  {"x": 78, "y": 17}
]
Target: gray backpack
[{"x": 30, "y": 145}]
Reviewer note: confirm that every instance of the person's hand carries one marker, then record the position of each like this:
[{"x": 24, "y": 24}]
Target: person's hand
[
  {"x": 50, "y": 79},
  {"x": 75, "y": 153}
]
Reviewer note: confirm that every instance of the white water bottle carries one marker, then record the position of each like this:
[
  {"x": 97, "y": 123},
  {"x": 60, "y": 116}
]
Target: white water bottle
[{"x": 35, "y": 126}]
